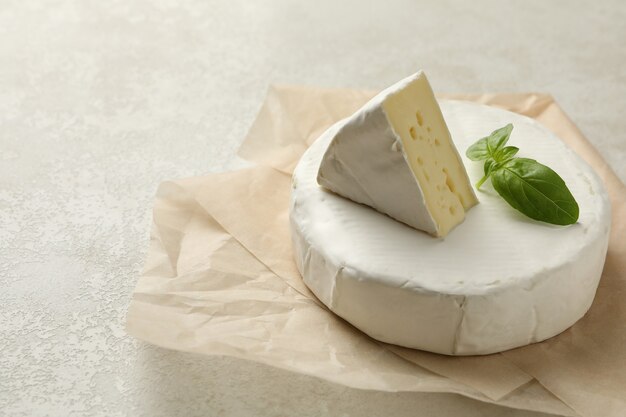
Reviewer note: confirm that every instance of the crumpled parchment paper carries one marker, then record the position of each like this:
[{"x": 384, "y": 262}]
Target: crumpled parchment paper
[{"x": 220, "y": 279}]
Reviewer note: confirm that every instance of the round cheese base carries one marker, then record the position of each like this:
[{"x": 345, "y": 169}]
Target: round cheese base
[{"x": 498, "y": 281}]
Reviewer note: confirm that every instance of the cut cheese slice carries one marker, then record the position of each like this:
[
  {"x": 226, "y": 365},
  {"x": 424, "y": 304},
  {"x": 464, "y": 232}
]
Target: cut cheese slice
[{"x": 396, "y": 155}]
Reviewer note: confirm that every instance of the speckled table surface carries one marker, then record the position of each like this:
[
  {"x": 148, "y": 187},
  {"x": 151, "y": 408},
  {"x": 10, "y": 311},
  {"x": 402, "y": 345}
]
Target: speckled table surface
[{"x": 102, "y": 100}]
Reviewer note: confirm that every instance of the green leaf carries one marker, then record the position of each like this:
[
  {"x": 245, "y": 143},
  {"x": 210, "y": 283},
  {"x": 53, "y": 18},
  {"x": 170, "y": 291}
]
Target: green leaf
[
  {"x": 478, "y": 151},
  {"x": 490, "y": 146},
  {"x": 528, "y": 186},
  {"x": 506, "y": 153},
  {"x": 536, "y": 191},
  {"x": 498, "y": 139}
]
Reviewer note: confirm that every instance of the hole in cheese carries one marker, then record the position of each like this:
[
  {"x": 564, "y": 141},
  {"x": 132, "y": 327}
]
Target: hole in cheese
[
  {"x": 412, "y": 133},
  {"x": 449, "y": 181},
  {"x": 420, "y": 119},
  {"x": 420, "y": 160},
  {"x": 428, "y": 129},
  {"x": 437, "y": 143}
]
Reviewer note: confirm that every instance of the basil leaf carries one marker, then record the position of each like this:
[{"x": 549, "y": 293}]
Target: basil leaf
[
  {"x": 490, "y": 146},
  {"x": 536, "y": 191},
  {"x": 498, "y": 139},
  {"x": 478, "y": 151},
  {"x": 506, "y": 153}
]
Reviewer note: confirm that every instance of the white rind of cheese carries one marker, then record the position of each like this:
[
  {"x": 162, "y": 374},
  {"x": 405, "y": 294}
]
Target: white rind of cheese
[
  {"x": 396, "y": 155},
  {"x": 499, "y": 282}
]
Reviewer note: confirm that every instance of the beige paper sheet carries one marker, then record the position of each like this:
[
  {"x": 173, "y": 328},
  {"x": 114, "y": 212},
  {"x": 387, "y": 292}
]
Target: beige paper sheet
[{"x": 220, "y": 280}]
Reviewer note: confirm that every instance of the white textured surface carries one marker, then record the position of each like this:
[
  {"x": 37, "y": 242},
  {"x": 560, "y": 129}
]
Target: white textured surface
[{"x": 102, "y": 100}]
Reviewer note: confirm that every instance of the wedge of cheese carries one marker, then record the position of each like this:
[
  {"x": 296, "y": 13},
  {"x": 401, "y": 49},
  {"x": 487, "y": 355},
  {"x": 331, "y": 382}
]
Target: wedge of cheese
[{"x": 396, "y": 155}]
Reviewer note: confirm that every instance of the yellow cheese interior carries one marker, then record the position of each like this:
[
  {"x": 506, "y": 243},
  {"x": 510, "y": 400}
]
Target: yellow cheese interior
[{"x": 416, "y": 118}]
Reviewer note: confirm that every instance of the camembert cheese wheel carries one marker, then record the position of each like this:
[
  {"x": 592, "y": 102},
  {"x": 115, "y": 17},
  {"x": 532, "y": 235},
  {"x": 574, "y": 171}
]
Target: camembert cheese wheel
[{"x": 498, "y": 281}]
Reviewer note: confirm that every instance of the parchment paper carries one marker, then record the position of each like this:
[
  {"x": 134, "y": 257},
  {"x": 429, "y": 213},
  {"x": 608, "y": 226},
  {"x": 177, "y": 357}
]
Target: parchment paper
[{"x": 220, "y": 280}]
